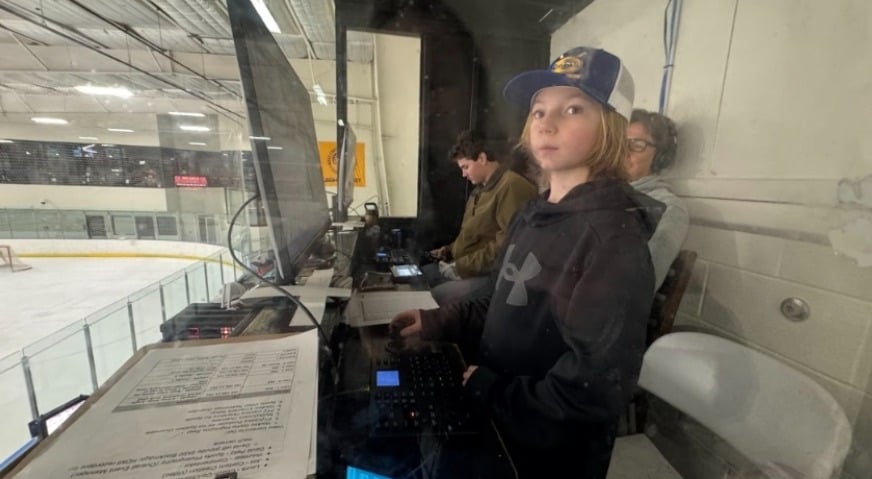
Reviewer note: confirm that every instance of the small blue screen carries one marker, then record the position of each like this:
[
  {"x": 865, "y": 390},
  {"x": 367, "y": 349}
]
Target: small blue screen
[
  {"x": 389, "y": 378},
  {"x": 355, "y": 473}
]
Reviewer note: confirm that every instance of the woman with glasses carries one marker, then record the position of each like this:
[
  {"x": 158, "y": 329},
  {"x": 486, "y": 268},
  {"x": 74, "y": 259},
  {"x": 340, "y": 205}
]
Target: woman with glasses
[{"x": 653, "y": 141}]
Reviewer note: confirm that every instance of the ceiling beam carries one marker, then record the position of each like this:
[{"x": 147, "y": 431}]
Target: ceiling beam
[
  {"x": 299, "y": 26},
  {"x": 131, "y": 33},
  {"x": 29, "y": 52}
]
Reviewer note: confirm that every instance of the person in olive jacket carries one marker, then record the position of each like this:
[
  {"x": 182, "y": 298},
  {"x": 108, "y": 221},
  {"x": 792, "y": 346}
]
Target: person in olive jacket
[{"x": 464, "y": 266}]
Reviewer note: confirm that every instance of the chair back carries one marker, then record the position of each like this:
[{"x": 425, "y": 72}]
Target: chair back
[
  {"x": 773, "y": 414},
  {"x": 667, "y": 299}
]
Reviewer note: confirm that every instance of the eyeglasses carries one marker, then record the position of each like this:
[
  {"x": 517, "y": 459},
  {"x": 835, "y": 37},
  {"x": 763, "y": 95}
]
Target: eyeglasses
[{"x": 638, "y": 145}]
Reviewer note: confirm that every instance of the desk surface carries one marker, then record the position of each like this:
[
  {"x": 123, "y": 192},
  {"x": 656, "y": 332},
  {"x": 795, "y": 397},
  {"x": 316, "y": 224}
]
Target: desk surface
[{"x": 345, "y": 418}]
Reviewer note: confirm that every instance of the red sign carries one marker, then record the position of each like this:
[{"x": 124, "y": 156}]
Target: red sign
[{"x": 195, "y": 181}]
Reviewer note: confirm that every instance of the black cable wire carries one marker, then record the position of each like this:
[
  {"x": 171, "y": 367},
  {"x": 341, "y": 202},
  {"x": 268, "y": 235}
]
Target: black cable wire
[{"x": 275, "y": 286}]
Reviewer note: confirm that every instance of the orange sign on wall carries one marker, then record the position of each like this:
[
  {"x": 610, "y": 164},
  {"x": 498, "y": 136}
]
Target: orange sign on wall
[{"x": 330, "y": 163}]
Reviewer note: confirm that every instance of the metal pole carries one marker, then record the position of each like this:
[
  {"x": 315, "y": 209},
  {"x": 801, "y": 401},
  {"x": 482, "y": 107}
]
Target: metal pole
[
  {"x": 132, "y": 325},
  {"x": 89, "y": 349},
  {"x": 206, "y": 277},
  {"x": 187, "y": 288},
  {"x": 31, "y": 391},
  {"x": 221, "y": 269},
  {"x": 163, "y": 305}
]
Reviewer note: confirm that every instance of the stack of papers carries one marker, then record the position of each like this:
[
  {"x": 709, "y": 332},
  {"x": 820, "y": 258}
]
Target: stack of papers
[{"x": 192, "y": 411}]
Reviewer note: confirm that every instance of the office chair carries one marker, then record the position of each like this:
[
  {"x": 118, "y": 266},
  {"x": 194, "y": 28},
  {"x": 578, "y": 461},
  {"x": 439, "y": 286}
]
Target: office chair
[{"x": 778, "y": 418}]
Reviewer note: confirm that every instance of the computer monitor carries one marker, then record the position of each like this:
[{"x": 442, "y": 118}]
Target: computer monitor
[
  {"x": 345, "y": 174},
  {"x": 283, "y": 142}
]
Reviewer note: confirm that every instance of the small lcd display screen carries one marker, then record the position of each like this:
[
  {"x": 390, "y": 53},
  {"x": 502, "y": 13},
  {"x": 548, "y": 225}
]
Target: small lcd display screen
[
  {"x": 406, "y": 270},
  {"x": 355, "y": 473},
  {"x": 388, "y": 378}
]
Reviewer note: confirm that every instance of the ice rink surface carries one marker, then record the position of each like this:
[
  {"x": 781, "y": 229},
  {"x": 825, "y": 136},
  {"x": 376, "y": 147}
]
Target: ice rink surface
[{"x": 59, "y": 291}]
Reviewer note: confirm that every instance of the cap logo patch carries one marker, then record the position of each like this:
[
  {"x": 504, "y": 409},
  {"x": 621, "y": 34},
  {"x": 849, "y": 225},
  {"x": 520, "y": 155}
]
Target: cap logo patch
[{"x": 570, "y": 66}]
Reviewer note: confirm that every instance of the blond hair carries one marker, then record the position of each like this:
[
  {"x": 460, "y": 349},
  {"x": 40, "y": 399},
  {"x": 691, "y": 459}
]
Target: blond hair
[{"x": 606, "y": 160}]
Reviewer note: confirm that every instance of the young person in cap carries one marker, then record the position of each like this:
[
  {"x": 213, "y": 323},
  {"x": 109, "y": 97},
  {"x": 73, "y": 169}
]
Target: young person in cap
[
  {"x": 557, "y": 346},
  {"x": 653, "y": 142},
  {"x": 464, "y": 265}
]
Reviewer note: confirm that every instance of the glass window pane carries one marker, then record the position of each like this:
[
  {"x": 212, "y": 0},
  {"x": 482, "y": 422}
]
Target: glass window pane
[
  {"x": 14, "y": 404},
  {"x": 197, "y": 283},
  {"x": 175, "y": 295},
  {"x": 147, "y": 317},
  {"x": 59, "y": 365},
  {"x": 110, "y": 339}
]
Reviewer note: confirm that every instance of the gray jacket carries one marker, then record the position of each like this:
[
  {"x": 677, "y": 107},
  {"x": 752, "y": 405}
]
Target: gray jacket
[{"x": 672, "y": 229}]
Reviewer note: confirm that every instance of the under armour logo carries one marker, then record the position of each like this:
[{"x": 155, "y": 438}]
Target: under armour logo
[{"x": 519, "y": 278}]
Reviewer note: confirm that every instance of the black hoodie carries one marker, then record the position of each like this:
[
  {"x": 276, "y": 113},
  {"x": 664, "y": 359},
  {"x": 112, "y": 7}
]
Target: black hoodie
[{"x": 563, "y": 333}]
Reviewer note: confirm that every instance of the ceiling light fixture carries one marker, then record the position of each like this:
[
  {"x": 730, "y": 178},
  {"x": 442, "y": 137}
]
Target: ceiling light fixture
[
  {"x": 6, "y": 141},
  {"x": 194, "y": 128},
  {"x": 120, "y": 130},
  {"x": 44, "y": 120},
  {"x": 265, "y": 138},
  {"x": 268, "y": 20},
  {"x": 197, "y": 143},
  {"x": 274, "y": 148},
  {"x": 118, "y": 91},
  {"x": 187, "y": 113},
  {"x": 89, "y": 138}
]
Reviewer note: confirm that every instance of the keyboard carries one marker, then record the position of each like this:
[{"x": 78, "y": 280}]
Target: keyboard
[{"x": 421, "y": 394}]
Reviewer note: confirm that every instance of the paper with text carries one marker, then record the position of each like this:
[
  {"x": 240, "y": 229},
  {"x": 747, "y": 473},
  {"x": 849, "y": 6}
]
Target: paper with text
[{"x": 192, "y": 412}]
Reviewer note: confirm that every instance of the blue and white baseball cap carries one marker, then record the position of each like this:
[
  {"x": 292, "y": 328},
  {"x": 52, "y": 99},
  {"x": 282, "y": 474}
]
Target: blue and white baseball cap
[{"x": 596, "y": 72}]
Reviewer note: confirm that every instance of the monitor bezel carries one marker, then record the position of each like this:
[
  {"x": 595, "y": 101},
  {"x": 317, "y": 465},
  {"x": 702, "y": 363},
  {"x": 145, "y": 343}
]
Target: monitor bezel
[{"x": 245, "y": 22}]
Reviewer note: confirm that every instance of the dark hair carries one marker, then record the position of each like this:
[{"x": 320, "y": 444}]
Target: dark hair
[
  {"x": 665, "y": 136},
  {"x": 469, "y": 145}
]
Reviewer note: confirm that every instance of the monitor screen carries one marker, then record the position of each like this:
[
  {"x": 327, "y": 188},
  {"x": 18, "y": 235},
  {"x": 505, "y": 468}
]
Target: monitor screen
[
  {"x": 345, "y": 179},
  {"x": 283, "y": 142}
]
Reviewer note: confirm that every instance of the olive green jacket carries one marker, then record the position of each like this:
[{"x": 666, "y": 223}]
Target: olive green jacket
[{"x": 485, "y": 220}]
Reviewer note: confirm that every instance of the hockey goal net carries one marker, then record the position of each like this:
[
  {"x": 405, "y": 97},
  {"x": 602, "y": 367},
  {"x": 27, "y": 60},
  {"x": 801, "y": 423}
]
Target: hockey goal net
[{"x": 10, "y": 261}]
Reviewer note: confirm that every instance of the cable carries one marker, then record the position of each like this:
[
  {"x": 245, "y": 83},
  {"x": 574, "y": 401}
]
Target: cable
[
  {"x": 671, "y": 15},
  {"x": 275, "y": 286}
]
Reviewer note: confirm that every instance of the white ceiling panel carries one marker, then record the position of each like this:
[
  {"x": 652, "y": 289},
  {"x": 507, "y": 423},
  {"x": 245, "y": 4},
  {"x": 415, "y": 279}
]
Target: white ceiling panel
[
  {"x": 45, "y": 67},
  {"x": 130, "y": 12},
  {"x": 293, "y": 46},
  {"x": 206, "y": 18}
]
